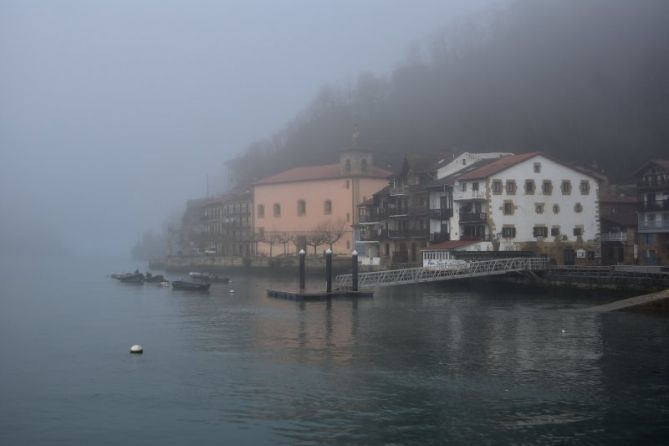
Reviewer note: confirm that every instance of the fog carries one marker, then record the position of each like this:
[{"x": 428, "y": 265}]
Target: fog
[{"x": 112, "y": 114}]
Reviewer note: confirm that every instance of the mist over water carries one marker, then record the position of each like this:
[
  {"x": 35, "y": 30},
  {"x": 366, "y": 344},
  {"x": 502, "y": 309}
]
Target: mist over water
[{"x": 413, "y": 365}]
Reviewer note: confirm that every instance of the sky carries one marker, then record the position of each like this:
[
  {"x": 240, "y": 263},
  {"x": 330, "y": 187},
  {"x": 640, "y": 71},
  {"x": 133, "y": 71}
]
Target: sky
[{"x": 113, "y": 114}]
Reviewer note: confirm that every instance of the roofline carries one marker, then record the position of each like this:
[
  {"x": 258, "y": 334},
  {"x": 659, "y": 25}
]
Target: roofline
[
  {"x": 534, "y": 154},
  {"x": 345, "y": 177},
  {"x": 643, "y": 166}
]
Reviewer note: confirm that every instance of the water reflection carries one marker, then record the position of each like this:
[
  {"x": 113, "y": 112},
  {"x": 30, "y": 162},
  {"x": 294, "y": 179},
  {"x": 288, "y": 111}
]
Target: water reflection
[{"x": 413, "y": 364}]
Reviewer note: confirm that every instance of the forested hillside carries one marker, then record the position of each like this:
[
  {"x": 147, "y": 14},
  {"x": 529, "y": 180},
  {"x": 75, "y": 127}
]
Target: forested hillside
[{"x": 584, "y": 80}]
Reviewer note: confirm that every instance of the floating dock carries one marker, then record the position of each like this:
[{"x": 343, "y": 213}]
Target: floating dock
[
  {"x": 317, "y": 295},
  {"x": 654, "y": 301}
]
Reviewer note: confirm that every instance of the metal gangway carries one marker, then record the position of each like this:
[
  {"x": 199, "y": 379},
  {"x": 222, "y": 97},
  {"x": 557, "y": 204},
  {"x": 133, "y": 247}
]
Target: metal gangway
[{"x": 435, "y": 274}]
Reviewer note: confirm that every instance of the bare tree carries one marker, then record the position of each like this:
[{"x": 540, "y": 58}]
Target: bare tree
[
  {"x": 332, "y": 231},
  {"x": 316, "y": 238}
]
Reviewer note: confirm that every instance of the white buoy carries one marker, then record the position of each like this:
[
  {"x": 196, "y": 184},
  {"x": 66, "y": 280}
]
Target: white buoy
[
  {"x": 564, "y": 331},
  {"x": 231, "y": 291},
  {"x": 137, "y": 349}
]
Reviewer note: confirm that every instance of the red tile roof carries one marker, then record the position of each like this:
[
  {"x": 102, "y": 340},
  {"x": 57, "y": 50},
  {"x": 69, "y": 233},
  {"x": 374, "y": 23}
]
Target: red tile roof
[
  {"x": 498, "y": 165},
  {"x": 327, "y": 171},
  {"x": 451, "y": 244}
]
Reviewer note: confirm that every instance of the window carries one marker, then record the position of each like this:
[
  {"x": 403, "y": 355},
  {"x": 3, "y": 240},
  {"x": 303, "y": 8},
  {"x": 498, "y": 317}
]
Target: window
[
  {"x": 277, "y": 210},
  {"x": 510, "y": 187},
  {"x": 565, "y": 187},
  {"x": 363, "y": 165},
  {"x": 537, "y": 167},
  {"x": 347, "y": 166},
  {"x": 261, "y": 211},
  {"x": 539, "y": 208},
  {"x": 547, "y": 187},
  {"x": 578, "y": 208},
  {"x": 475, "y": 187},
  {"x": 301, "y": 207},
  {"x": 508, "y": 231},
  {"x": 585, "y": 187},
  {"x": 497, "y": 187},
  {"x": 529, "y": 187},
  {"x": 464, "y": 187},
  {"x": 556, "y": 208},
  {"x": 578, "y": 231},
  {"x": 555, "y": 231},
  {"x": 348, "y": 184},
  {"x": 348, "y": 244},
  {"x": 540, "y": 231},
  {"x": 508, "y": 207},
  {"x": 348, "y": 216},
  {"x": 327, "y": 207},
  {"x": 261, "y": 233},
  {"x": 464, "y": 161}
]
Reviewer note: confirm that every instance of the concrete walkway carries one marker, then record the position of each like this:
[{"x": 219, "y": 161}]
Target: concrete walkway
[{"x": 652, "y": 301}]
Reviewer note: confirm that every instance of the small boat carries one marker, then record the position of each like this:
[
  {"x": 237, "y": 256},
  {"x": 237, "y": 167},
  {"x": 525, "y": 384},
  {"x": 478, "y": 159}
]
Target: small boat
[
  {"x": 132, "y": 278},
  {"x": 190, "y": 286},
  {"x": 205, "y": 277}
]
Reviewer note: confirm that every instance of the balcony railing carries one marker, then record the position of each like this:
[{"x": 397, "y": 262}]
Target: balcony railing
[
  {"x": 614, "y": 237},
  {"x": 660, "y": 223},
  {"x": 441, "y": 214},
  {"x": 478, "y": 217},
  {"x": 459, "y": 195},
  {"x": 405, "y": 233},
  {"x": 662, "y": 205},
  {"x": 399, "y": 190},
  {"x": 653, "y": 183}
]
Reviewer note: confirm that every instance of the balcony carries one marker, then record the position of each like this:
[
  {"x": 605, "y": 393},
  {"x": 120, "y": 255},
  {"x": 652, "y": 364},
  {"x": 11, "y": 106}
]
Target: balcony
[
  {"x": 372, "y": 235},
  {"x": 441, "y": 214},
  {"x": 653, "y": 183},
  {"x": 399, "y": 190},
  {"x": 662, "y": 205},
  {"x": 614, "y": 237},
  {"x": 407, "y": 233},
  {"x": 459, "y": 195},
  {"x": 659, "y": 223},
  {"x": 477, "y": 218}
]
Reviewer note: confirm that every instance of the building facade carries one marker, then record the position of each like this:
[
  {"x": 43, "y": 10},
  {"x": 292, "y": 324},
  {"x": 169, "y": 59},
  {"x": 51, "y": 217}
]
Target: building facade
[
  {"x": 221, "y": 226},
  {"x": 394, "y": 225},
  {"x": 529, "y": 202},
  {"x": 314, "y": 207},
  {"x": 618, "y": 219},
  {"x": 653, "y": 212}
]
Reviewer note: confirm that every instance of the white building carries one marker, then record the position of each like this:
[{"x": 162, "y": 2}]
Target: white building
[{"x": 528, "y": 202}]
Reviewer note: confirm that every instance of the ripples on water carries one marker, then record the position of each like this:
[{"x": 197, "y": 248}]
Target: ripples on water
[{"x": 415, "y": 365}]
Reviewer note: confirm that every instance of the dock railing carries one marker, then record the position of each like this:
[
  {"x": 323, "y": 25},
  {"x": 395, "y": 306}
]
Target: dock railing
[{"x": 431, "y": 274}]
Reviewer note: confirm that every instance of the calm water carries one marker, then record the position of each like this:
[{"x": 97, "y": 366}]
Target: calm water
[{"x": 414, "y": 365}]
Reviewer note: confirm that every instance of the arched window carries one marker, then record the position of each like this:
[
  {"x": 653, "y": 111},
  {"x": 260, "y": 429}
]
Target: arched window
[
  {"x": 347, "y": 166},
  {"x": 277, "y": 210},
  {"x": 301, "y": 207},
  {"x": 327, "y": 207},
  {"x": 363, "y": 165}
]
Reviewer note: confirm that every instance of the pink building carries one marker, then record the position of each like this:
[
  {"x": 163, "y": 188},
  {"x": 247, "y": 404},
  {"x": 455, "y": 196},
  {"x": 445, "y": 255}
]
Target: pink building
[{"x": 314, "y": 207}]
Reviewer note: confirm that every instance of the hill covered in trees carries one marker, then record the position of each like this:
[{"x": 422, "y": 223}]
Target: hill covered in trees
[{"x": 586, "y": 81}]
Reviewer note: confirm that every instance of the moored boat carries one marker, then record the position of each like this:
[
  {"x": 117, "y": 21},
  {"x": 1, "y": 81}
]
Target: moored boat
[
  {"x": 132, "y": 278},
  {"x": 190, "y": 286}
]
